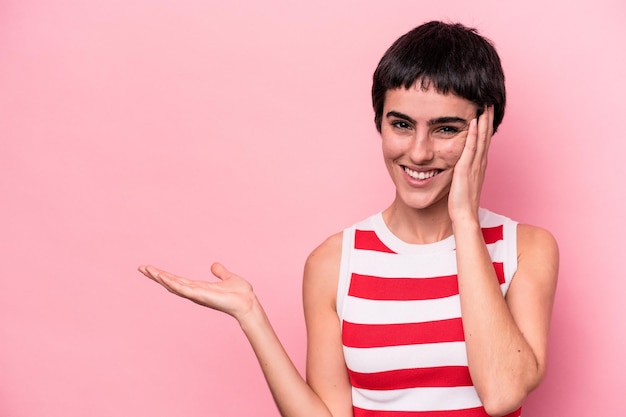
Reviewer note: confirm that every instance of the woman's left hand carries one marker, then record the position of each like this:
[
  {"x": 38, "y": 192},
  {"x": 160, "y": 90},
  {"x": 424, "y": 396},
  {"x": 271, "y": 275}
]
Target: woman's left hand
[
  {"x": 231, "y": 294},
  {"x": 469, "y": 172}
]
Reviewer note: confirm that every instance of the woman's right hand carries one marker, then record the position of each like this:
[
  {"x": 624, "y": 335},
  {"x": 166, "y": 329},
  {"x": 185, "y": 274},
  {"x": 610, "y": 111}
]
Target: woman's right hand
[{"x": 232, "y": 295}]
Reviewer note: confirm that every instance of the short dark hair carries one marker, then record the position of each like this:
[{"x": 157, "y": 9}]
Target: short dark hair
[{"x": 451, "y": 57}]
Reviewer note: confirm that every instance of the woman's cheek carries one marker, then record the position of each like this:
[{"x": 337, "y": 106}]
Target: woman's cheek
[
  {"x": 452, "y": 152},
  {"x": 391, "y": 149}
]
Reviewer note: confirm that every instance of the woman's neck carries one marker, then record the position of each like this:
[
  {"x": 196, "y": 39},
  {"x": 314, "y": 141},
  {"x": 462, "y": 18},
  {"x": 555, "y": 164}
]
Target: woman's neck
[{"x": 419, "y": 226}]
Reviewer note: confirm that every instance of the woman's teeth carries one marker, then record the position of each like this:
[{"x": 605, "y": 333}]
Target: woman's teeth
[{"x": 421, "y": 175}]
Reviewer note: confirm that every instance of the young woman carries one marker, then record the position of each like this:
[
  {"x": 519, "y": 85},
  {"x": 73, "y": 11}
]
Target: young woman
[{"x": 435, "y": 306}]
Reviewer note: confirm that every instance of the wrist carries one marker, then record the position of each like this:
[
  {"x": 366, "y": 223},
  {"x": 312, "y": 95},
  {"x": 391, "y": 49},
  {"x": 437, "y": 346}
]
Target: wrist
[
  {"x": 465, "y": 222},
  {"x": 253, "y": 317}
]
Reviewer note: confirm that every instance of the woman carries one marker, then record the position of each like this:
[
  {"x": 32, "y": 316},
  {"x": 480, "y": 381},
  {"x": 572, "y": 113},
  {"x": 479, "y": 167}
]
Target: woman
[{"x": 435, "y": 306}]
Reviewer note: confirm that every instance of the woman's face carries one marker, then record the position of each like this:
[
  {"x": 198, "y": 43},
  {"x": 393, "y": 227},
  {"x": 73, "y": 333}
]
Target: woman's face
[{"x": 423, "y": 135}]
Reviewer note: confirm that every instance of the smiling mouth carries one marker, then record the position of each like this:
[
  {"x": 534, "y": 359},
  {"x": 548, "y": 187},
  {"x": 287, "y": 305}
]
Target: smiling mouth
[{"x": 421, "y": 175}]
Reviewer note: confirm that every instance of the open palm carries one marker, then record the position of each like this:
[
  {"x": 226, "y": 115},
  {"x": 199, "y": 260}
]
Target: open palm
[{"x": 232, "y": 294}]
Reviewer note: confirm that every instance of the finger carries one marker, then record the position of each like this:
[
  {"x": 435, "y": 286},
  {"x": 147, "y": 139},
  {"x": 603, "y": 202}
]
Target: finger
[
  {"x": 147, "y": 270},
  {"x": 485, "y": 130},
  {"x": 173, "y": 283},
  {"x": 220, "y": 271},
  {"x": 168, "y": 276},
  {"x": 162, "y": 277},
  {"x": 471, "y": 140},
  {"x": 176, "y": 285},
  {"x": 153, "y": 271},
  {"x": 156, "y": 275},
  {"x": 490, "y": 116}
]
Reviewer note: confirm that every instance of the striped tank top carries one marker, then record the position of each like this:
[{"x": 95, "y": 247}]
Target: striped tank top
[{"x": 401, "y": 323}]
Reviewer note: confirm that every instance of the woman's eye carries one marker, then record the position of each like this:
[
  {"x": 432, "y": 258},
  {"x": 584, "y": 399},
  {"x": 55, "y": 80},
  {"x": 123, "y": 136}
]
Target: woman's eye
[
  {"x": 448, "y": 130},
  {"x": 400, "y": 124}
]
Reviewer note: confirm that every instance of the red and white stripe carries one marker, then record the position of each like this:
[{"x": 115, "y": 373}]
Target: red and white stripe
[{"x": 401, "y": 320}]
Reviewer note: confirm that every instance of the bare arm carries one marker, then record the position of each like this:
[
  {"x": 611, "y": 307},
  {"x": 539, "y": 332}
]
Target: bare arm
[
  {"x": 326, "y": 368},
  {"x": 506, "y": 339},
  {"x": 234, "y": 296}
]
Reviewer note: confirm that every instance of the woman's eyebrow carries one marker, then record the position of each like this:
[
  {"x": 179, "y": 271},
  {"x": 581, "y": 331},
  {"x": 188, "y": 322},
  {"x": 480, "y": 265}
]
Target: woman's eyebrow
[
  {"x": 436, "y": 121},
  {"x": 447, "y": 119},
  {"x": 399, "y": 115}
]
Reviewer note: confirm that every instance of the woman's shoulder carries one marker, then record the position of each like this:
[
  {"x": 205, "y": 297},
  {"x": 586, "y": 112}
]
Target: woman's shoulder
[
  {"x": 321, "y": 274},
  {"x": 530, "y": 238},
  {"x": 534, "y": 239},
  {"x": 330, "y": 250},
  {"x": 327, "y": 254},
  {"x": 538, "y": 262}
]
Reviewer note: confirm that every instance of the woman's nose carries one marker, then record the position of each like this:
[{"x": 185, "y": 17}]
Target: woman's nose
[{"x": 421, "y": 149}]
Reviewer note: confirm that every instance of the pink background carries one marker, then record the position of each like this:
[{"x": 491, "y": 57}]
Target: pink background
[{"x": 183, "y": 132}]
